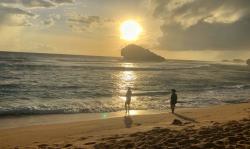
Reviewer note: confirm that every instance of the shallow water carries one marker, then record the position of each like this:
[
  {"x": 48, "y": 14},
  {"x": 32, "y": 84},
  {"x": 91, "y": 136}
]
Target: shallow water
[{"x": 56, "y": 84}]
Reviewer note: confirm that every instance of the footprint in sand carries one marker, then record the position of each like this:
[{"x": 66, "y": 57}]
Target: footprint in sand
[
  {"x": 35, "y": 142},
  {"x": 82, "y": 138},
  {"x": 90, "y": 143},
  {"x": 43, "y": 145},
  {"x": 68, "y": 145}
]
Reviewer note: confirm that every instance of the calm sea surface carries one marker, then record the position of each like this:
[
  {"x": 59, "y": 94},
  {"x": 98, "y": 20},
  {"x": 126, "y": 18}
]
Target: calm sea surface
[{"x": 46, "y": 84}]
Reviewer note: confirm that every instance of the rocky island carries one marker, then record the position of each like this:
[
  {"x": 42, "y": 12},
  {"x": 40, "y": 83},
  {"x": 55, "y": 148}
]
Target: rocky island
[
  {"x": 248, "y": 62},
  {"x": 134, "y": 52}
]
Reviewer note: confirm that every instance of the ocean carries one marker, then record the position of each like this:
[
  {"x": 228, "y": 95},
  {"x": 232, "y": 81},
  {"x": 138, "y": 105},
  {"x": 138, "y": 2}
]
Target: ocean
[{"x": 32, "y": 84}]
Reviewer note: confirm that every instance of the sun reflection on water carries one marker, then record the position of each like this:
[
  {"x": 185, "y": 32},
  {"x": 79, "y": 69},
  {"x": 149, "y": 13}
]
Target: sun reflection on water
[
  {"x": 126, "y": 79},
  {"x": 128, "y": 65},
  {"x": 128, "y": 76},
  {"x": 133, "y": 112}
]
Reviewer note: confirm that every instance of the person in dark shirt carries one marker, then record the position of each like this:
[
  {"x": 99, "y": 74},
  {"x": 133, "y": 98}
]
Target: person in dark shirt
[
  {"x": 128, "y": 100},
  {"x": 173, "y": 100}
]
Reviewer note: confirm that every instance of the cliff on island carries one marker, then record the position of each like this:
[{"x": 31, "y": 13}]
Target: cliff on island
[
  {"x": 134, "y": 52},
  {"x": 248, "y": 62}
]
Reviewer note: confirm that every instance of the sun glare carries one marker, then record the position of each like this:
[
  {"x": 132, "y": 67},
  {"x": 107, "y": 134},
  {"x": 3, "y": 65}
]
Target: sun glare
[{"x": 130, "y": 30}]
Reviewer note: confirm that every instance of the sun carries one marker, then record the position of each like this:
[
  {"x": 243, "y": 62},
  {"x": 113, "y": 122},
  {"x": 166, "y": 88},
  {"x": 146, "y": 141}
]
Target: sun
[{"x": 130, "y": 30}]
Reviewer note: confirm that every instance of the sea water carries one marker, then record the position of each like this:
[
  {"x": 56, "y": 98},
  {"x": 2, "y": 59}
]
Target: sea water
[{"x": 33, "y": 84}]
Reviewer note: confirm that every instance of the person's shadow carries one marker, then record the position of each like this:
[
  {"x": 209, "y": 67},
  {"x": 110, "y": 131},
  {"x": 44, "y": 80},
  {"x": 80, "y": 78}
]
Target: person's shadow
[
  {"x": 128, "y": 121},
  {"x": 185, "y": 118}
]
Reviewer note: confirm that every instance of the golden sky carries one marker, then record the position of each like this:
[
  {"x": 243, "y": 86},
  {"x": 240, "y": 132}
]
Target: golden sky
[{"x": 176, "y": 29}]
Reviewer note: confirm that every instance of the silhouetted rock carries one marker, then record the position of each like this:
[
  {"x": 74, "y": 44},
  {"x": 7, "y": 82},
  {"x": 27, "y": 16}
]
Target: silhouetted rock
[
  {"x": 177, "y": 122},
  {"x": 248, "y": 62},
  {"x": 133, "y": 52}
]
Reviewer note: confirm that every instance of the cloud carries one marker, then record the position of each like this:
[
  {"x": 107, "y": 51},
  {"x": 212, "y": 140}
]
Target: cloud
[
  {"x": 10, "y": 16},
  {"x": 51, "y": 20},
  {"x": 204, "y": 24},
  {"x": 15, "y": 12},
  {"x": 82, "y": 23},
  {"x": 62, "y": 1},
  {"x": 36, "y": 3},
  {"x": 29, "y": 3}
]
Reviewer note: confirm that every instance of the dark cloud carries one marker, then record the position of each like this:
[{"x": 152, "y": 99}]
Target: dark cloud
[{"x": 204, "y": 24}]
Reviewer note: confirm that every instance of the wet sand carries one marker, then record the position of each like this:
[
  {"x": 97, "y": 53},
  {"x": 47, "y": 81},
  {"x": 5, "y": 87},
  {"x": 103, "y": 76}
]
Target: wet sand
[
  {"x": 31, "y": 120},
  {"x": 225, "y": 126}
]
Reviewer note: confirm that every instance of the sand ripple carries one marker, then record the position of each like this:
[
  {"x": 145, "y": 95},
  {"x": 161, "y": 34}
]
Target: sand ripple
[{"x": 234, "y": 134}]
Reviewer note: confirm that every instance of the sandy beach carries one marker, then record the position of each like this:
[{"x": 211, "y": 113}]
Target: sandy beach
[
  {"x": 225, "y": 126},
  {"x": 124, "y": 74}
]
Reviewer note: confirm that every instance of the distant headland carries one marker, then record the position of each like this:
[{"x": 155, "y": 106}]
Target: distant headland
[
  {"x": 234, "y": 61},
  {"x": 134, "y": 52}
]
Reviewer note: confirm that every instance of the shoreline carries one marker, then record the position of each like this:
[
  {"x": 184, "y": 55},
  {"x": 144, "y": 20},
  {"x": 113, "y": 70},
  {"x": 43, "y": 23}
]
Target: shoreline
[
  {"x": 46, "y": 119},
  {"x": 19, "y": 121},
  {"x": 87, "y": 134}
]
